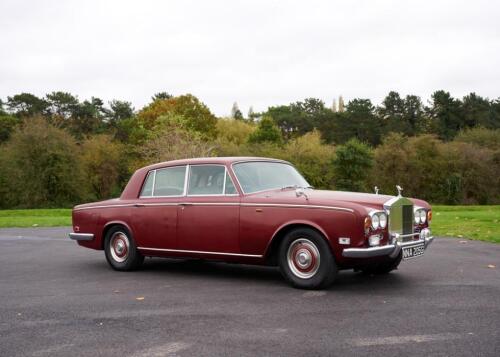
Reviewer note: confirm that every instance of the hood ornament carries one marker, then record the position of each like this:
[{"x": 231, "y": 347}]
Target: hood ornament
[
  {"x": 376, "y": 190},
  {"x": 400, "y": 189}
]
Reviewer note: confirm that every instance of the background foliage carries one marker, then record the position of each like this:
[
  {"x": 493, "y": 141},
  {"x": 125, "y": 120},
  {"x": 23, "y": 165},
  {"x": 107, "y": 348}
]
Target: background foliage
[{"x": 58, "y": 151}]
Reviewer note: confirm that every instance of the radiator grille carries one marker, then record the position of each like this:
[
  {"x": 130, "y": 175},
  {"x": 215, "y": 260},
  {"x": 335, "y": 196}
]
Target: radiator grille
[{"x": 401, "y": 217}]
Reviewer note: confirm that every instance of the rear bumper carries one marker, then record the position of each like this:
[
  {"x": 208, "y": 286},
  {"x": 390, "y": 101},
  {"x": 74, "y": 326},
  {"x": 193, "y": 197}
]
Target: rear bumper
[
  {"x": 81, "y": 236},
  {"x": 391, "y": 250}
]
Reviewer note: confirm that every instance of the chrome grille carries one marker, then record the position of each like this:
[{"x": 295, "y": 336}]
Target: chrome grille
[{"x": 400, "y": 216}]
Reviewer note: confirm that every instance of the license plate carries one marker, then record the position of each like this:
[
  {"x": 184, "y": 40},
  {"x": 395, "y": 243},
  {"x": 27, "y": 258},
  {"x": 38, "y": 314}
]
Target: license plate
[{"x": 413, "y": 251}]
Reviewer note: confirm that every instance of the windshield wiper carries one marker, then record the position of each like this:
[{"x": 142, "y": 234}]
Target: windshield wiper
[{"x": 295, "y": 187}]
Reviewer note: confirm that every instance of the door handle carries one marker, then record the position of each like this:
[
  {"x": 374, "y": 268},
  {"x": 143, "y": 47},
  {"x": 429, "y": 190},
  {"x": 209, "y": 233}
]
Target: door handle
[
  {"x": 139, "y": 205},
  {"x": 185, "y": 204}
]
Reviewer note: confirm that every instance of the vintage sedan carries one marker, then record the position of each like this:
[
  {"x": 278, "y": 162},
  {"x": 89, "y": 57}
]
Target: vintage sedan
[{"x": 253, "y": 211}]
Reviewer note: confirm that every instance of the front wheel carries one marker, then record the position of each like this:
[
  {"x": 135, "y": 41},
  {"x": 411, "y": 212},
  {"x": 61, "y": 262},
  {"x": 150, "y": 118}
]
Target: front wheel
[
  {"x": 120, "y": 250},
  {"x": 306, "y": 260}
]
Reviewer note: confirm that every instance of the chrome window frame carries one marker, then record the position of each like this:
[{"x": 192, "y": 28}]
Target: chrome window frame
[
  {"x": 212, "y": 194},
  {"x": 154, "y": 182},
  {"x": 268, "y": 189}
]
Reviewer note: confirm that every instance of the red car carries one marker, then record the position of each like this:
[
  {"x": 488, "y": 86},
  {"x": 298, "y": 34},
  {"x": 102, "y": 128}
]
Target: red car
[{"x": 253, "y": 211}]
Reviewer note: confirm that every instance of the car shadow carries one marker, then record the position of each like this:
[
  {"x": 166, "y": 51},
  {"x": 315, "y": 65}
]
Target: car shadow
[{"x": 347, "y": 280}]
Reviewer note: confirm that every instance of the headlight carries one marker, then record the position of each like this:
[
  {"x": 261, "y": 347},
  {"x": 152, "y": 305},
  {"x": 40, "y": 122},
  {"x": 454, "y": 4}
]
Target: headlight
[
  {"x": 382, "y": 220},
  {"x": 420, "y": 216},
  {"x": 375, "y": 221},
  {"x": 423, "y": 216}
]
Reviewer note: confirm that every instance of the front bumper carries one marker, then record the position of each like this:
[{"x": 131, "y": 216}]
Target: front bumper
[
  {"x": 391, "y": 250},
  {"x": 81, "y": 236}
]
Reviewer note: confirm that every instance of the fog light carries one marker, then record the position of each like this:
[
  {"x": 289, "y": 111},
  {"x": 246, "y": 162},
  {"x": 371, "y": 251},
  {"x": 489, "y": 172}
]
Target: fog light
[
  {"x": 425, "y": 233},
  {"x": 374, "y": 240}
]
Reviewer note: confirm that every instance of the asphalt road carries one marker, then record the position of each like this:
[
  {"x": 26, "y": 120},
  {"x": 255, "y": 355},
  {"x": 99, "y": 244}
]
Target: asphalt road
[{"x": 58, "y": 299}]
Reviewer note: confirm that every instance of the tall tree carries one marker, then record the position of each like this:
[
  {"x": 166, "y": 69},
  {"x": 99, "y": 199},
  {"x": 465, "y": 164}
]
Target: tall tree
[
  {"x": 62, "y": 104},
  {"x": 446, "y": 115},
  {"x": 341, "y": 104},
  {"x": 477, "y": 111},
  {"x": 87, "y": 117},
  {"x": 119, "y": 110},
  {"x": 352, "y": 165},
  {"x": 236, "y": 112},
  {"x": 26, "y": 104},
  {"x": 160, "y": 96}
]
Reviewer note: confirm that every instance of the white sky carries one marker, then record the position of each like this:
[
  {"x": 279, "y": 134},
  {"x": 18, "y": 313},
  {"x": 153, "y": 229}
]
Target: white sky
[{"x": 258, "y": 53}]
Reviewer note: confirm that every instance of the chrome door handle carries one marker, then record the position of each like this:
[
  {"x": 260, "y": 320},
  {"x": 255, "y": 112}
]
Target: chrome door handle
[
  {"x": 139, "y": 205},
  {"x": 185, "y": 204}
]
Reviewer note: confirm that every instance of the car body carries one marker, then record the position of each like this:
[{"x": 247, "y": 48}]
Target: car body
[{"x": 254, "y": 211}]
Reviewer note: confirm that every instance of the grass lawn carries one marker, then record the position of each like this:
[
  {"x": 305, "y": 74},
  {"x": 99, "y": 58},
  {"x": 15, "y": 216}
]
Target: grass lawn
[
  {"x": 35, "y": 218},
  {"x": 474, "y": 222}
]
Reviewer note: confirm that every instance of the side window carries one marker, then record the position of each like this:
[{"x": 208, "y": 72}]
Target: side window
[
  {"x": 147, "y": 189},
  {"x": 230, "y": 189},
  {"x": 170, "y": 181},
  {"x": 206, "y": 180}
]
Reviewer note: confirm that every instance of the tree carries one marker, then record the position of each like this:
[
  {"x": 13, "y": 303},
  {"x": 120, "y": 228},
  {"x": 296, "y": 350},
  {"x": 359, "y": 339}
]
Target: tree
[
  {"x": 446, "y": 115},
  {"x": 41, "y": 168},
  {"x": 251, "y": 114},
  {"x": 119, "y": 110},
  {"x": 7, "y": 125},
  {"x": 197, "y": 115},
  {"x": 87, "y": 118},
  {"x": 104, "y": 162},
  {"x": 161, "y": 96},
  {"x": 267, "y": 131},
  {"x": 174, "y": 143},
  {"x": 477, "y": 111},
  {"x": 26, "y": 104},
  {"x": 62, "y": 104},
  {"x": 236, "y": 112},
  {"x": 359, "y": 121},
  {"x": 352, "y": 165},
  {"x": 341, "y": 104}
]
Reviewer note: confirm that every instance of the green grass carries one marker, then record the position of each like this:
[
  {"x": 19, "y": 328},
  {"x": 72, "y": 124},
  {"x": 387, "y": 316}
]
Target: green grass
[
  {"x": 474, "y": 222},
  {"x": 35, "y": 218}
]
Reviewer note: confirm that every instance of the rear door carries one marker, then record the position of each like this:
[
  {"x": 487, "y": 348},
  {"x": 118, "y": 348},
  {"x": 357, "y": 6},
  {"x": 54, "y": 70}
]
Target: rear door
[{"x": 155, "y": 213}]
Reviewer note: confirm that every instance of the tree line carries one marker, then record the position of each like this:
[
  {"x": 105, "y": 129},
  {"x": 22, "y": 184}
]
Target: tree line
[{"x": 57, "y": 150}]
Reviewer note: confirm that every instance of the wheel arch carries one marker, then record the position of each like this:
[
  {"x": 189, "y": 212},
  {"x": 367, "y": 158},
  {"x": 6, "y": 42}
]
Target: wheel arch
[
  {"x": 110, "y": 225},
  {"x": 271, "y": 256}
]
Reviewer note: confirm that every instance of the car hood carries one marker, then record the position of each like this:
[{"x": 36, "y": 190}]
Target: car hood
[{"x": 336, "y": 198}]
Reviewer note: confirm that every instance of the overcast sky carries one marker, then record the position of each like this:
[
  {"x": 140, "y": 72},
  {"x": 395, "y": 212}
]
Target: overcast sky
[{"x": 258, "y": 53}]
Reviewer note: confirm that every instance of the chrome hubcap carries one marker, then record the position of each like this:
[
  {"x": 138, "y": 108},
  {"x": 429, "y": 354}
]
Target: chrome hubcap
[
  {"x": 119, "y": 244},
  {"x": 303, "y": 258}
]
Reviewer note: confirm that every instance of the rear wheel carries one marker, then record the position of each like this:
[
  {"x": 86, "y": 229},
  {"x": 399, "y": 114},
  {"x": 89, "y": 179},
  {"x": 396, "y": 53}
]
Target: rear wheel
[
  {"x": 120, "y": 250},
  {"x": 305, "y": 259}
]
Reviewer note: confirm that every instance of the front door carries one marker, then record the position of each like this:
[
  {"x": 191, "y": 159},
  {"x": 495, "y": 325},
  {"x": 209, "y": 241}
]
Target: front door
[{"x": 208, "y": 217}]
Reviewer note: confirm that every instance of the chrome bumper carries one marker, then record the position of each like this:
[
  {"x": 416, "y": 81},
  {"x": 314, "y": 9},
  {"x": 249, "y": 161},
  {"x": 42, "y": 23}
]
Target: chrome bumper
[
  {"x": 392, "y": 250},
  {"x": 81, "y": 236}
]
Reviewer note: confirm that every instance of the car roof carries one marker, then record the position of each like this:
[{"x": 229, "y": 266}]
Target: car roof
[{"x": 212, "y": 160}]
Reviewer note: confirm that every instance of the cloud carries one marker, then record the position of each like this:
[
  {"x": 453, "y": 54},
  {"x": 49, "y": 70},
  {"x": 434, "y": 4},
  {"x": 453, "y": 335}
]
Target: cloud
[{"x": 257, "y": 53}]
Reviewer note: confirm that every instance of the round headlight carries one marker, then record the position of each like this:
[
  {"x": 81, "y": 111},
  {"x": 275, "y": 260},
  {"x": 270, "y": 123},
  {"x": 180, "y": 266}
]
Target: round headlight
[
  {"x": 375, "y": 221},
  {"x": 382, "y": 220},
  {"x": 423, "y": 216},
  {"x": 417, "y": 217}
]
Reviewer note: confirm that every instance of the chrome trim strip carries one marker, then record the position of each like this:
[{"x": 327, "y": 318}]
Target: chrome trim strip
[
  {"x": 296, "y": 206},
  {"x": 199, "y": 252},
  {"x": 81, "y": 236},
  {"x": 222, "y": 204}
]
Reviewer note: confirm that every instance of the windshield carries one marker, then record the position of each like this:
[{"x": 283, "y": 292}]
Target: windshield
[{"x": 261, "y": 175}]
